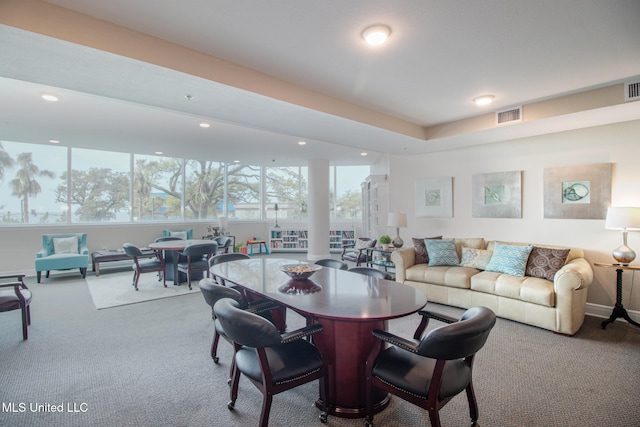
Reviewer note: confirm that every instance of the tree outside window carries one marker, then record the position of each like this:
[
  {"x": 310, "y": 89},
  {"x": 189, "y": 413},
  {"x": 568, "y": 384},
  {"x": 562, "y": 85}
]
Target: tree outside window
[
  {"x": 157, "y": 188},
  {"x": 286, "y": 186}
]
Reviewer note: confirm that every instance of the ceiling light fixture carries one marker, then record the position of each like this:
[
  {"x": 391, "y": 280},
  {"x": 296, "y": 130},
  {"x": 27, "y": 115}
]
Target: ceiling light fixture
[
  {"x": 483, "y": 100},
  {"x": 49, "y": 97},
  {"x": 376, "y": 34},
  {"x": 159, "y": 152},
  {"x": 302, "y": 142},
  {"x": 363, "y": 154},
  {"x": 54, "y": 141},
  {"x": 204, "y": 125}
]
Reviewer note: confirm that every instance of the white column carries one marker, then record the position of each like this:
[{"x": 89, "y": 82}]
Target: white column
[{"x": 318, "y": 209}]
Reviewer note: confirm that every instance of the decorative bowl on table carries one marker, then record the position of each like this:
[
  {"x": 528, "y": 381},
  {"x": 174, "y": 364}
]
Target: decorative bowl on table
[{"x": 300, "y": 271}]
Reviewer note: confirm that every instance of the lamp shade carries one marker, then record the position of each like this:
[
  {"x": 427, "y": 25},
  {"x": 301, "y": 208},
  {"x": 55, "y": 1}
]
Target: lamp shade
[
  {"x": 397, "y": 220},
  {"x": 623, "y": 218}
]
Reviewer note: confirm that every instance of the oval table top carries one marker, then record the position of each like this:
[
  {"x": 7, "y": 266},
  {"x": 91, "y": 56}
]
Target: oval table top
[
  {"x": 329, "y": 293},
  {"x": 176, "y": 245}
]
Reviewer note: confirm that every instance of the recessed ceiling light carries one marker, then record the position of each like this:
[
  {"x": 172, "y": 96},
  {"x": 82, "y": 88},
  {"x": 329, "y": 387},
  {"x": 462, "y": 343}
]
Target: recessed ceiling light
[
  {"x": 363, "y": 154},
  {"x": 49, "y": 97},
  {"x": 376, "y": 34},
  {"x": 204, "y": 125},
  {"x": 159, "y": 152},
  {"x": 54, "y": 141},
  {"x": 302, "y": 142},
  {"x": 236, "y": 161},
  {"x": 483, "y": 100}
]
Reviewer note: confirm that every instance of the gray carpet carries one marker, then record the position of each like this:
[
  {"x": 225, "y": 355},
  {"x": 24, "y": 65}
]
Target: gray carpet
[{"x": 148, "y": 364}]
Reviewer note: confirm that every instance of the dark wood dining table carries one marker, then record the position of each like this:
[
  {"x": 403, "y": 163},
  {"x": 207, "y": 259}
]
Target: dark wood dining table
[
  {"x": 348, "y": 305},
  {"x": 176, "y": 246}
]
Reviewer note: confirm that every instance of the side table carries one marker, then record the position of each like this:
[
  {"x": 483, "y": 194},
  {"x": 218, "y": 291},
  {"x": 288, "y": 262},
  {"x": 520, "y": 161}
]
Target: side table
[{"x": 618, "y": 309}]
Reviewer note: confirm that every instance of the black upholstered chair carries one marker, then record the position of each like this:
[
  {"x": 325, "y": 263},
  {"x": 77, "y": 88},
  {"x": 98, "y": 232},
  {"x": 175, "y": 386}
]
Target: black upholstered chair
[
  {"x": 197, "y": 259},
  {"x": 220, "y": 258},
  {"x": 373, "y": 272},
  {"x": 333, "y": 263},
  {"x": 213, "y": 292},
  {"x": 224, "y": 244},
  {"x": 272, "y": 362},
  {"x": 15, "y": 295},
  {"x": 140, "y": 267},
  {"x": 356, "y": 252},
  {"x": 429, "y": 371}
]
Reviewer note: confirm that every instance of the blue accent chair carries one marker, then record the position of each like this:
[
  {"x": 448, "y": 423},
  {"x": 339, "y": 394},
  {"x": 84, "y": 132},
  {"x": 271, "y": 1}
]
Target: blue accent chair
[
  {"x": 47, "y": 259},
  {"x": 179, "y": 233}
]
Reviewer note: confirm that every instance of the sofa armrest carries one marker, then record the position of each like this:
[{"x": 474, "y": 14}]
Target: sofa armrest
[
  {"x": 402, "y": 259},
  {"x": 575, "y": 275},
  {"x": 41, "y": 254},
  {"x": 84, "y": 251}
]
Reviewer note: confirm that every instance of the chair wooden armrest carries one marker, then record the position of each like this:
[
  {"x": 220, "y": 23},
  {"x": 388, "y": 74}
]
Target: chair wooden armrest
[
  {"x": 301, "y": 333},
  {"x": 395, "y": 340},
  {"x": 426, "y": 315}
]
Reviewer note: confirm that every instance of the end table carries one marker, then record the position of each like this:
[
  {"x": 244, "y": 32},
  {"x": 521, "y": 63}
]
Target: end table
[{"x": 618, "y": 309}]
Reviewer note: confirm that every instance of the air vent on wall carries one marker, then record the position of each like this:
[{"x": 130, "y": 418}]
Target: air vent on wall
[
  {"x": 632, "y": 91},
  {"x": 512, "y": 115}
]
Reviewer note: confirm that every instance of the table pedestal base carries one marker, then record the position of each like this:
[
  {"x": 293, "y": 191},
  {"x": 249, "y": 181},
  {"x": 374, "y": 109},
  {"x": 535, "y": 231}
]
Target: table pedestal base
[{"x": 619, "y": 311}]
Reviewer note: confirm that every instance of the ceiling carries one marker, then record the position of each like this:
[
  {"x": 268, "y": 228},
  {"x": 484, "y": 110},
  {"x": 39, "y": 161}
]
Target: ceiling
[{"x": 342, "y": 96}]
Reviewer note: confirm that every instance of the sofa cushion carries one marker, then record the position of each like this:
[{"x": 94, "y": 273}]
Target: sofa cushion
[
  {"x": 451, "y": 276},
  {"x": 475, "y": 258},
  {"x": 545, "y": 262},
  {"x": 422, "y": 257},
  {"x": 442, "y": 252},
  {"x": 65, "y": 245},
  {"x": 509, "y": 259},
  {"x": 528, "y": 289}
]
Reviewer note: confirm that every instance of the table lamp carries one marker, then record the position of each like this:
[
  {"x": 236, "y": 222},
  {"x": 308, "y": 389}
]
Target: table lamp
[
  {"x": 397, "y": 220},
  {"x": 625, "y": 219}
]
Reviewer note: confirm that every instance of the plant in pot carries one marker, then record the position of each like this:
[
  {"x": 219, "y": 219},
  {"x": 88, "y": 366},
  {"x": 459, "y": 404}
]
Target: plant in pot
[{"x": 385, "y": 241}]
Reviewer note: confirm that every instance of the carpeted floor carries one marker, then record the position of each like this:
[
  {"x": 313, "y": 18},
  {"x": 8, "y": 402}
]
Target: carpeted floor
[{"x": 148, "y": 365}]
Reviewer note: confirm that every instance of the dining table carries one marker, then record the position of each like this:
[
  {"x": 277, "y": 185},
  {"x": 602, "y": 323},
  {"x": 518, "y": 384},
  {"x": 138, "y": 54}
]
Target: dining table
[
  {"x": 348, "y": 305},
  {"x": 176, "y": 246}
]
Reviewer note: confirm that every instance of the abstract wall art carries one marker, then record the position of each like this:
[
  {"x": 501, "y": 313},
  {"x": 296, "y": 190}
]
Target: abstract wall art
[
  {"x": 434, "y": 197},
  {"x": 497, "y": 195},
  {"x": 577, "y": 192}
]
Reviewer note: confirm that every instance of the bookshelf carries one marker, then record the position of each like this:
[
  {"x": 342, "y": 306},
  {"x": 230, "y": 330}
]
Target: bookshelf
[{"x": 297, "y": 239}]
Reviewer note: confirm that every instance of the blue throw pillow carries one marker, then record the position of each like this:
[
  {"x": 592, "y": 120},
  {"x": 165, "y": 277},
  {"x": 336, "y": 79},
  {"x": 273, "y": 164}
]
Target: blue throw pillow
[
  {"x": 442, "y": 252},
  {"x": 509, "y": 259}
]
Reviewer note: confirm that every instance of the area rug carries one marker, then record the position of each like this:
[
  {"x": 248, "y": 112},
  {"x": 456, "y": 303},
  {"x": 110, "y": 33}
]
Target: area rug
[{"x": 115, "y": 289}]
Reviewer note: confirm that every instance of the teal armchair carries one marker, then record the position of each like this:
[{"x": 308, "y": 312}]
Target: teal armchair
[
  {"x": 183, "y": 234},
  {"x": 62, "y": 252}
]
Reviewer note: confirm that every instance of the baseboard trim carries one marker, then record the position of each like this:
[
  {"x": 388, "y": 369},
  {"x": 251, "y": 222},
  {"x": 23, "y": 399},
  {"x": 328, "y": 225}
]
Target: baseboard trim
[{"x": 604, "y": 312}]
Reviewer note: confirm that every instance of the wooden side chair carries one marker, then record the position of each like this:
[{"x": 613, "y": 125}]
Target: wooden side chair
[
  {"x": 155, "y": 265},
  {"x": 15, "y": 295},
  {"x": 430, "y": 371}
]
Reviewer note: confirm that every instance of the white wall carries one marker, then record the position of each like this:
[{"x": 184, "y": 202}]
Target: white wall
[{"x": 618, "y": 144}]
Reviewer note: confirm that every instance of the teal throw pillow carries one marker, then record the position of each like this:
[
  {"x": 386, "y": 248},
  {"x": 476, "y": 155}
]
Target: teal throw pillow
[
  {"x": 509, "y": 259},
  {"x": 442, "y": 252}
]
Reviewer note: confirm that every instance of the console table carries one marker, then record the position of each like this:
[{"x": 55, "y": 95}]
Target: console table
[{"x": 618, "y": 309}]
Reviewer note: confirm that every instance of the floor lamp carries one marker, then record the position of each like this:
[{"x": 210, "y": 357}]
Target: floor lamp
[{"x": 275, "y": 208}]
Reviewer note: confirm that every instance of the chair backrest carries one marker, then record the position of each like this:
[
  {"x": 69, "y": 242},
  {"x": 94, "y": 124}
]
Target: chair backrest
[
  {"x": 332, "y": 263},
  {"x": 223, "y": 241},
  {"x": 131, "y": 250},
  {"x": 214, "y": 292},
  {"x": 200, "y": 249},
  {"x": 245, "y": 328},
  {"x": 460, "y": 339},
  {"x": 220, "y": 258},
  {"x": 373, "y": 272},
  {"x": 48, "y": 242},
  {"x": 182, "y": 234}
]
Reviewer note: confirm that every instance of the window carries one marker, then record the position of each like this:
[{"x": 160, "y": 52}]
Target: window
[
  {"x": 29, "y": 175},
  {"x": 204, "y": 189},
  {"x": 243, "y": 192},
  {"x": 157, "y": 188},
  {"x": 347, "y": 203},
  {"x": 100, "y": 183},
  {"x": 286, "y": 186}
]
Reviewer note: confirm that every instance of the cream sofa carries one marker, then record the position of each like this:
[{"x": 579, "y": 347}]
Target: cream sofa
[{"x": 557, "y": 305}]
